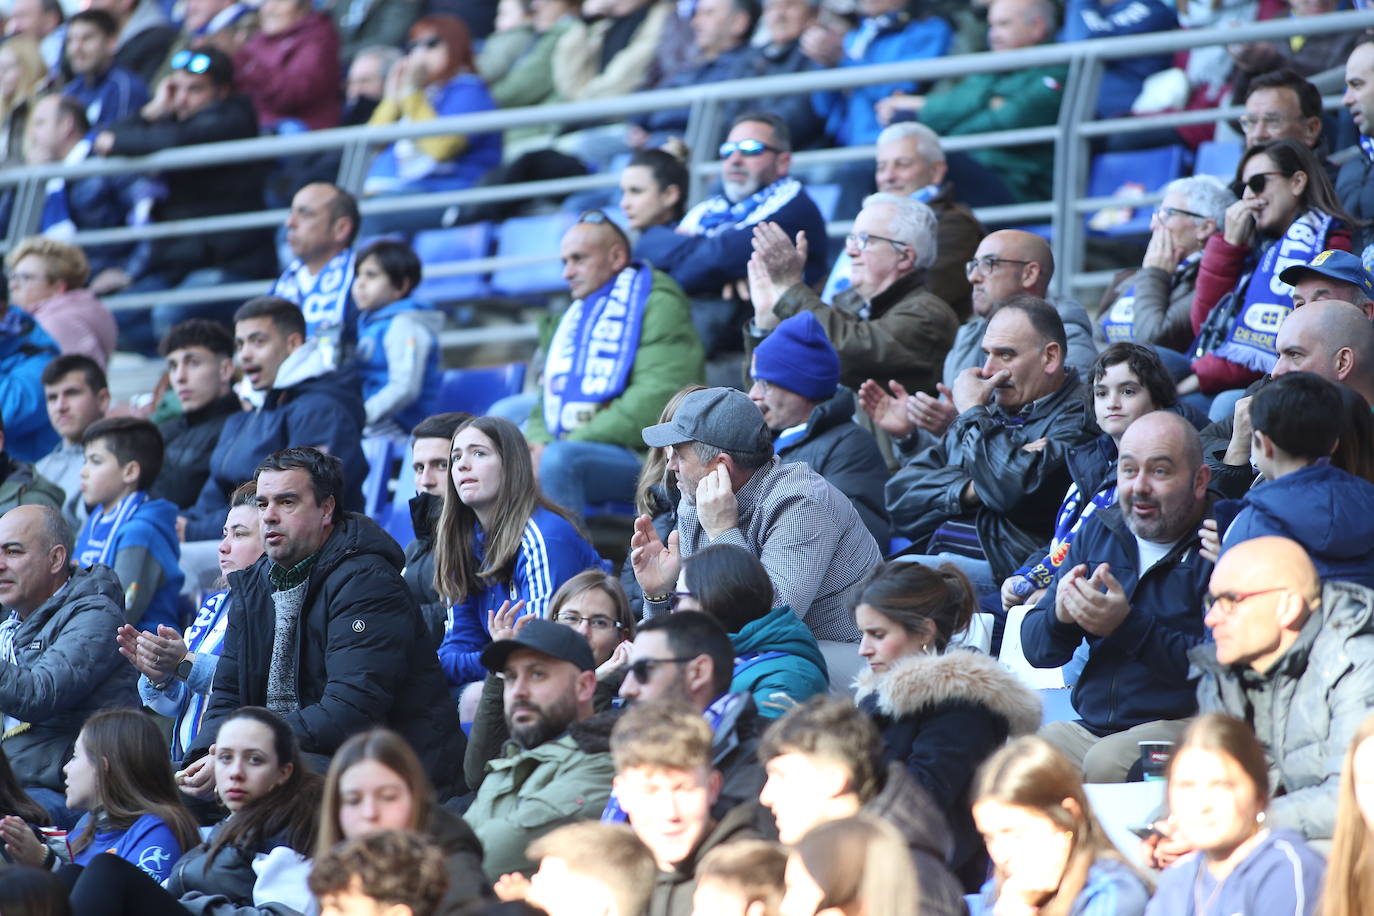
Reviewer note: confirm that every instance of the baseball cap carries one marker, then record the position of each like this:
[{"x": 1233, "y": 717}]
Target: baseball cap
[
  {"x": 544, "y": 636},
  {"x": 721, "y": 417},
  {"x": 1336, "y": 264}
]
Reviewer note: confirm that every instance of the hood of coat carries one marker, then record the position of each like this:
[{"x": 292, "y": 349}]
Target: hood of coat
[
  {"x": 779, "y": 630},
  {"x": 425, "y": 509},
  {"x": 358, "y": 535},
  {"x": 307, "y": 361},
  {"x": 419, "y": 311},
  {"x": 919, "y": 682},
  {"x": 1337, "y": 520},
  {"x": 451, "y": 833},
  {"x": 904, "y": 804},
  {"x": 593, "y": 736},
  {"x": 838, "y": 408}
]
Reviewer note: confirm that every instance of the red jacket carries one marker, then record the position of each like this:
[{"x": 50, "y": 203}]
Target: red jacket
[
  {"x": 293, "y": 74},
  {"x": 1221, "y": 269}
]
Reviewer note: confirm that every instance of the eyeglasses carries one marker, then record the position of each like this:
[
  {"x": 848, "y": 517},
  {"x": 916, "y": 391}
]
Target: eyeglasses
[
  {"x": 599, "y": 624},
  {"x": 987, "y": 264},
  {"x": 22, "y": 277},
  {"x": 1228, "y": 601},
  {"x": 860, "y": 241},
  {"x": 1256, "y": 183},
  {"x": 1271, "y": 121},
  {"x": 675, "y": 599},
  {"x": 191, "y": 61},
  {"x": 643, "y": 669},
  {"x": 1165, "y": 212},
  {"x": 750, "y": 148},
  {"x": 594, "y": 217},
  {"x": 425, "y": 44}
]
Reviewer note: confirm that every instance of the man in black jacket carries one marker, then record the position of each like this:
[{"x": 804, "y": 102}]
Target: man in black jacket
[
  {"x": 324, "y": 632},
  {"x": 1355, "y": 182},
  {"x": 200, "y": 369},
  {"x": 431, "y": 440}
]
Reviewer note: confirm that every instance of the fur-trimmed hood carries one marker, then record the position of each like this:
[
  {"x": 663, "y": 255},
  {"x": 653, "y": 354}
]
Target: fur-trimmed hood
[{"x": 920, "y": 682}]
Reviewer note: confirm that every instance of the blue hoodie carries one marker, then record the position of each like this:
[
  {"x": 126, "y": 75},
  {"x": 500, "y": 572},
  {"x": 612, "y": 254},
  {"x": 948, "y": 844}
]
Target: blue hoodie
[
  {"x": 1281, "y": 875},
  {"x": 778, "y": 681},
  {"x": 378, "y": 367},
  {"x": 154, "y": 527},
  {"x": 1329, "y": 512},
  {"x": 25, "y": 348}
]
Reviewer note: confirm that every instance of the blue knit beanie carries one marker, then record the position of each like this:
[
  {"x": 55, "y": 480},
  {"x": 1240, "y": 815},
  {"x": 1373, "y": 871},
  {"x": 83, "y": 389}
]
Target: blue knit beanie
[{"x": 798, "y": 356}]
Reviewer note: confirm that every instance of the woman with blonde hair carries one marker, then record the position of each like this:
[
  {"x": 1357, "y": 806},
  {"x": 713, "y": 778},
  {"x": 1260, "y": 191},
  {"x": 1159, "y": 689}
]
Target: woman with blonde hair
[
  {"x": 47, "y": 279},
  {"x": 1349, "y": 889},
  {"x": 22, "y": 75},
  {"x": 854, "y": 866},
  {"x": 1050, "y": 855}
]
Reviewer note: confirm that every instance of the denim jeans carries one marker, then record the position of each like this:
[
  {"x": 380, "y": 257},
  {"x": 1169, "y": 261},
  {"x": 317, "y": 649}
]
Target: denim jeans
[{"x": 574, "y": 474}]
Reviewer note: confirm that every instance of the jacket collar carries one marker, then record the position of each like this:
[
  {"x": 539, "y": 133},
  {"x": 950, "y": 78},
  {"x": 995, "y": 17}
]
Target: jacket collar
[
  {"x": 920, "y": 682},
  {"x": 903, "y": 286}
]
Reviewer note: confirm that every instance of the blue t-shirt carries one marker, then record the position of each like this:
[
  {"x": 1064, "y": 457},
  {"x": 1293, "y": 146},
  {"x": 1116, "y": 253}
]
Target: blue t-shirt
[{"x": 148, "y": 843}]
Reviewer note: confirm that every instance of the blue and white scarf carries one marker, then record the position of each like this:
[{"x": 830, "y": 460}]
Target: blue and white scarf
[
  {"x": 872, "y": 27},
  {"x": 327, "y": 304},
  {"x": 838, "y": 281},
  {"x": 1118, "y": 322},
  {"x": 205, "y": 636},
  {"x": 716, "y": 214},
  {"x": 594, "y": 348},
  {"x": 1244, "y": 326},
  {"x": 96, "y": 543},
  {"x": 1066, "y": 527},
  {"x": 8, "y": 628}
]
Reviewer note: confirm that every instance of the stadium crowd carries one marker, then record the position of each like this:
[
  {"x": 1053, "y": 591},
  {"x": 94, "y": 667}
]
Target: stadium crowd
[{"x": 813, "y": 677}]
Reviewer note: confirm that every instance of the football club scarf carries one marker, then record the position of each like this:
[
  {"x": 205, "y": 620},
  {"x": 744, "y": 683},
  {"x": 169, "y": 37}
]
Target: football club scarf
[
  {"x": 96, "y": 543},
  {"x": 1118, "y": 322},
  {"x": 716, "y": 214}
]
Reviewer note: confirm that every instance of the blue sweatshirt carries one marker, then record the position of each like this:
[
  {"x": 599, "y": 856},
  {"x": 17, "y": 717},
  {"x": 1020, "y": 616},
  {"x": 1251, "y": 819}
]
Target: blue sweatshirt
[
  {"x": 153, "y": 526},
  {"x": 551, "y": 552},
  {"x": 1281, "y": 876},
  {"x": 1112, "y": 889},
  {"x": 148, "y": 843}
]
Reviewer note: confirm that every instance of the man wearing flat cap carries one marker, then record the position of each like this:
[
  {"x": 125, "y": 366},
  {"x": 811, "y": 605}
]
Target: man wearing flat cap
[
  {"x": 557, "y": 767},
  {"x": 735, "y": 490},
  {"x": 1333, "y": 274}
]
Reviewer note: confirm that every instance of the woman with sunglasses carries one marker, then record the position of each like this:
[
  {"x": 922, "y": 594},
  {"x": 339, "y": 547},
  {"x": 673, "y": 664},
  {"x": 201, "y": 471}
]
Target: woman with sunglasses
[
  {"x": 290, "y": 68},
  {"x": 1287, "y": 214},
  {"x": 434, "y": 79}
]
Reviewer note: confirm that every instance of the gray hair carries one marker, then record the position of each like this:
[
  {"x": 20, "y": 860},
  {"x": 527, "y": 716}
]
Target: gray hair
[
  {"x": 1043, "y": 10},
  {"x": 1205, "y": 194},
  {"x": 386, "y": 55},
  {"x": 927, "y": 141},
  {"x": 54, "y": 530},
  {"x": 911, "y": 222}
]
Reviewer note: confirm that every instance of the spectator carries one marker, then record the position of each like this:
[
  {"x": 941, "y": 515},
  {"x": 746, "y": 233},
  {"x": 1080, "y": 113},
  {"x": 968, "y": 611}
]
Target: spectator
[
  {"x": 1130, "y": 586},
  {"x": 23, "y": 75},
  {"x": 332, "y": 589},
  {"x": 119, "y": 776},
  {"x": 200, "y": 368},
  {"x": 664, "y": 750},
  {"x": 556, "y": 768},
  {"x": 22, "y": 485},
  {"x": 888, "y": 324},
  {"x": 1355, "y": 181},
  {"x": 1286, "y": 215},
  {"x": 501, "y": 545},
  {"x": 584, "y": 430},
  {"x": 1347, "y": 876},
  {"x": 366, "y": 81},
  {"x": 796, "y": 387},
  {"x": 42, "y": 21},
  {"x": 28, "y": 889},
  {"x": 398, "y": 340},
  {"x": 1152, "y": 305},
  {"x": 888, "y": 31},
  {"x": 941, "y": 713},
  {"x": 394, "y": 869},
  {"x": 1048, "y": 849},
  {"x": 910, "y": 163},
  {"x": 376, "y": 783},
  {"x": 48, "y": 280},
  {"x": 979, "y": 498},
  {"x": 222, "y": 24},
  {"x": 784, "y": 22},
  {"x": 1333, "y": 274},
  {"x": 529, "y": 80},
  {"x": 1297, "y": 421},
  {"x": 25, "y": 350},
  {"x": 58, "y": 662},
  {"x": 736, "y": 491},
  {"x": 109, "y": 92},
  {"x": 290, "y": 68},
  {"x": 1218, "y": 792},
  {"x": 512, "y": 36},
  {"x": 273, "y": 800},
  {"x": 1027, "y": 97},
  {"x": 178, "y": 669},
  {"x": 433, "y": 80},
  {"x": 303, "y": 402},
  {"x": 601, "y": 866},
  {"x": 22, "y": 840},
  {"x": 710, "y": 249},
  {"x": 1315, "y": 54},
  {"x": 653, "y": 189},
  {"x": 429, "y": 454},
  {"x": 745, "y": 876},
  {"x": 1122, "y": 80},
  {"x": 145, "y": 34},
  {"x": 364, "y": 24},
  {"x": 609, "y": 55},
  {"x": 777, "y": 661},
  {"x": 1281, "y": 104},
  {"x": 320, "y": 232},
  {"x": 1288, "y": 636},
  {"x": 126, "y": 530},
  {"x": 852, "y": 864},
  {"x": 77, "y": 396}
]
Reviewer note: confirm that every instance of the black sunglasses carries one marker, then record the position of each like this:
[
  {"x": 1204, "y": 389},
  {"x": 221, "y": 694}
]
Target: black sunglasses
[
  {"x": 748, "y": 148},
  {"x": 1256, "y": 183},
  {"x": 643, "y": 669},
  {"x": 191, "y": 61},
  {"x": 432, "y": 41}
]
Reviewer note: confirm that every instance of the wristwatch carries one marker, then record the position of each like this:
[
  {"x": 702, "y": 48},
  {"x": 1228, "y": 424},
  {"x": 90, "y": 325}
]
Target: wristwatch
[{"x": 184, "y": 669}]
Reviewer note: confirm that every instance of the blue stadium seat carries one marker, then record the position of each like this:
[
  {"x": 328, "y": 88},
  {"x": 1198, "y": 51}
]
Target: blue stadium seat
[
  {"x": 827, "y": 198},
  {"x": 1058, "y": 705},
  {"x": 447, "y": 246},
  {"x": 1218, "y": 158},
  {"x": 396, "y": 520},
  {"x": 475, "y": 390},
  {"x": 531, "y": 235},
  {"x": 382, "y": 453},
  {"x": 1152, "y": 169}
]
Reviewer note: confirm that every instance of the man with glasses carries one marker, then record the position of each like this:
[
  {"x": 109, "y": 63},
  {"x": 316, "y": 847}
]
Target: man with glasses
[
  {"x": 1282, "y": 104},
  {"x": 1130, "y": 586},
  {"x": 621, "y": 350},
  {"x": 708, "y": 252}
]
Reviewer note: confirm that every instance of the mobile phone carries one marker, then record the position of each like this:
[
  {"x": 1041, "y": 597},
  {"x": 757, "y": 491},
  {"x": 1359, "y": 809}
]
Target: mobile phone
[{"x": 1144, "y": 831}]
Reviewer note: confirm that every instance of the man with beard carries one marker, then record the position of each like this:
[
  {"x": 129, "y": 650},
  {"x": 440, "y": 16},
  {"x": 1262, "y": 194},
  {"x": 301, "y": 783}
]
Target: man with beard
[
  {"x": 556, "y": 768},
  {"x": 1132, "y": 586}
]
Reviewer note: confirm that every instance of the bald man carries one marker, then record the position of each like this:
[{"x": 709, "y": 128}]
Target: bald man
[
  {"x": 1295, "y": 659},
  {"x": 320, "y": 229},
  {"x": 621, "y": 350},
  {"x": 59, "y": 661},
  {"x": 1131, "y": 586}
]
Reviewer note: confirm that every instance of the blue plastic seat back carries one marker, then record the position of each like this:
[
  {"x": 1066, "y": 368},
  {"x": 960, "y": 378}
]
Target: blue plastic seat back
[
  {"x": 525, "y": 236},
  {"x": 441, "y": 247},
  {"x": 1218, "y": 158},
  {"x": 381, "y": 453},
  {"x": 827, "y": 198},
  {"x": 475, "y": 390},
  {"x": 1151, "y": 169}
]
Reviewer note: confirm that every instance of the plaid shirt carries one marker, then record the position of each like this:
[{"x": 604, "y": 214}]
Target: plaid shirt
[{"x": 808, "y": 536}]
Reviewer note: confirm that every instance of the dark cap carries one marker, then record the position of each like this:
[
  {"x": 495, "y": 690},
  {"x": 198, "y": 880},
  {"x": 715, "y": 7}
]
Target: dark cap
[
  {"x": 721, "y": 417},
  {"x": 546, "y": 637},
  {"x": 1336, "y": 264}
]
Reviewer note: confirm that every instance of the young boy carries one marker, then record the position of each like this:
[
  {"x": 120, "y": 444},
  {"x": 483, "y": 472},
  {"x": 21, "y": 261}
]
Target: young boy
[
  {"x": 398, "y": 340},
  {"x": 744, "y": 878},
  {"x": 128, "y": 530},
  {"x": 392, "y": 873},
  {"x": 589, "y": 867},
  {"x": 1297, "y": 420}
]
